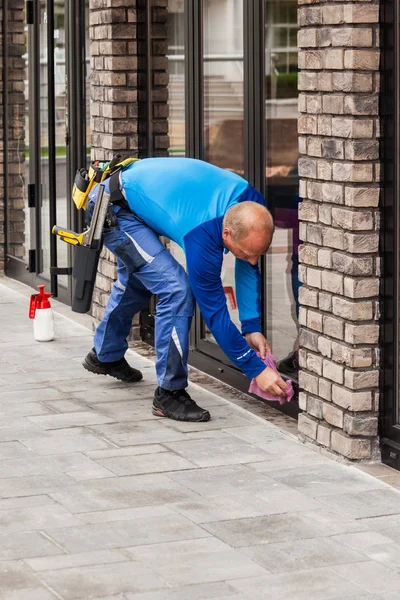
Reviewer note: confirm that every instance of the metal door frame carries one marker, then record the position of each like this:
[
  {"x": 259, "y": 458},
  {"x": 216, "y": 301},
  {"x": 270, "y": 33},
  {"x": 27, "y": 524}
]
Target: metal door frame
[
  {"x": 205, "y": 355},
  {"x": 31, "y": 273},
  {"x": 390, "y": 237}
]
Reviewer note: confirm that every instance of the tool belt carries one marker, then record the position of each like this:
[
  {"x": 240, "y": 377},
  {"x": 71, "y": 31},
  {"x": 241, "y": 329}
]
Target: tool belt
[
  {"x": 89, "y": 243},
  {"x": 86, "y": 180}
]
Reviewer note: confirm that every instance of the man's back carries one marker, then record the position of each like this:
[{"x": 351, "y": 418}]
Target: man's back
[{"x": 176, "y": 195}]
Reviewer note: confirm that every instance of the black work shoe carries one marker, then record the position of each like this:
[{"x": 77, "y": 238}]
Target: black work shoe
[
  {"x": 289, "y": 366},
  {"x": 178, "y": 405},
  {"x": 119, "y": 369}
]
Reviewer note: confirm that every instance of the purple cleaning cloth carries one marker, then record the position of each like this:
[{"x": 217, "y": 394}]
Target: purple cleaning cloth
[{"x": 270, "y": 361}]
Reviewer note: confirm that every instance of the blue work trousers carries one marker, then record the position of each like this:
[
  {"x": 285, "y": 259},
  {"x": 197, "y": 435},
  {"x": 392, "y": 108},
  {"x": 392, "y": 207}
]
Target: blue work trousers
[{"x": 145, "y": 267}]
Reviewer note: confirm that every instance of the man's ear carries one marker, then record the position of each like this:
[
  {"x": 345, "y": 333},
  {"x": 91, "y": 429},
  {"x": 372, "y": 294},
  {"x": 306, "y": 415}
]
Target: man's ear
[{"x": 226, "y": 233}]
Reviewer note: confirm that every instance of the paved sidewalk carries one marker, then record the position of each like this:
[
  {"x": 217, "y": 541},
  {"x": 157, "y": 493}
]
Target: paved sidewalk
[{"x": 99, "y": 499}]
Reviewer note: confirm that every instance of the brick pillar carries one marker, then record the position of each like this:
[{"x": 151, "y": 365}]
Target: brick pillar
[
  {"x": 339, "y": 171},
  {"x": 119, "y": 97}
]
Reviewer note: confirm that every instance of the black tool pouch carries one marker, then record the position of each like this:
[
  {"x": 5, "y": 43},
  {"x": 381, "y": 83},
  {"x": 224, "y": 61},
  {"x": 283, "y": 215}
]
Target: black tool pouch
[{"x": 84, "y": 274}]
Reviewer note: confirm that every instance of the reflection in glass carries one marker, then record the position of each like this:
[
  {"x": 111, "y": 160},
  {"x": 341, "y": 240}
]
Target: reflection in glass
[
  {"x": 176, "y": 85},
  {"x": 281, "y": 173},
  {"x": 224, "y": 107},
  {"x": 176, "y": 95}
]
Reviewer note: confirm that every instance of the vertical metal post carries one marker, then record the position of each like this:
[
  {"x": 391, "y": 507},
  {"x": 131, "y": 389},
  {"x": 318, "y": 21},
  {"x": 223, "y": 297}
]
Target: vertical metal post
[
  {"x": 254, "y": 108},
  {"x": 194, "y": 103},
  {"x": 149, "y": 75},
  {"x": 35, "y": 143},
  {"x": 5, "y": 121},
  {"x": 52, "y": 144}
]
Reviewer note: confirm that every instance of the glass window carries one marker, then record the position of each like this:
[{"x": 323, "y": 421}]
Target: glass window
[
  {"x": 176, "y": 85},
  {"x": 176, "y": 95},
  {"x": 224, "y": 107},
  {"x": 281, "y": 174}
]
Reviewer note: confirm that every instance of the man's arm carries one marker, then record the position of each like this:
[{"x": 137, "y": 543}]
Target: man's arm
[
  {"x": 204, "y": 261},
  {"x": 248, "y": 281}
]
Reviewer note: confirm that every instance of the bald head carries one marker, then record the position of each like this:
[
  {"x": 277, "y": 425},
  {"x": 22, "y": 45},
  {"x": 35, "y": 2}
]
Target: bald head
[
  {"x": 247, "y": 230},
  {"x": 248, "y": 217}
]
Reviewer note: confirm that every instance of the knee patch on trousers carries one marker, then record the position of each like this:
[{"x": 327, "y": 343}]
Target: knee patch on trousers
[{"x": 130, "y": 256}]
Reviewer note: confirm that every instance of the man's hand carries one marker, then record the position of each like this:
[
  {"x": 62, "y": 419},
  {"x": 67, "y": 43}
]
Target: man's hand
[
  {"x": 270, "y": 381},
  {"x": 258, "y": 342}
]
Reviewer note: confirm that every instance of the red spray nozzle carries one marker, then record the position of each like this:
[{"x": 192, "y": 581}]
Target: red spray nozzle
[{"x": 40, "y": 300}]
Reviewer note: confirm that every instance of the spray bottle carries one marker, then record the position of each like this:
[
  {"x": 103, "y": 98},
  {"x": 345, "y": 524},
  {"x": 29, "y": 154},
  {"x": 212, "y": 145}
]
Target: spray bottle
[{"x": 41, "y": 312}]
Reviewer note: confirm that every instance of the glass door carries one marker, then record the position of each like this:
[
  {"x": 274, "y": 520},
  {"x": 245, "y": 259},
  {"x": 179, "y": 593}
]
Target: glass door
[
  {"x": 40, "y": 169},
  {"x": 281, "y": 180},
  {"x": 223, "y": 124}
]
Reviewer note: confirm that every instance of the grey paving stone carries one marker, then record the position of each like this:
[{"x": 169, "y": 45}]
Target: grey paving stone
[
  {"x": 36, "y": 518},
  {"x": 225, "y": 481},
  {"x": 196, "y": 561},
  {"x": 146, "y": 463},
  {"x": 32, "y": 486},
  {"x": 362, "y": 542},
  {"x": 257, "y": 434},
  {"x": 84, "y": 559},
  {"x": 368, "y": 504},
  {"x": 383, "y": 524},
  {"x": 79, "y": 419},
  {"x": 6, "y": 471},
  {"x": 15, "y": 575},
  {"x": 279, "y": 528},
  {"x": 221, "y": 417},
  {"x": 205, "y": 591},
  {"x": 242, "y": 505},
  {"x": 13, "y": 450},
  {"x": 26, "y": 545},
  {"x": 387, "y": 554},
  {"x": 18, "y": 428},
  {"x": 125, "y": 514},
  {"x": 24, "y": 502},
  {"x": 129, "y": 434},
  {"x": 37, "y": 593},
  {"x": 76, "y": 439},
  {"x": 302, "y": 554},
  {"x": 122, "y": 534},
  {"x": 125, "y": 410},
  {"x": 96, "y": 472},
  {"x": 281, "y": 463},
  {"x": 122, "y": 492},
  {"x": 6, "y": 367},
  {"x": 65, "y": 406},
  {"x": 53, "y": 465},
  {"x": 94, "y": 395},
  {"x": 85, "y": 582},
  {"x": 318, "y": 584},
  {"x": 393, "y": 533},
  {"x": 225, "y": 450},
  {"x": 322, "y": 480},
  {"x": 126, "y": 451},
  {"x": 27, "y": 379},
  {"x": 32, "y": 393},
  {"x": 371, "y": 576},
  {"x": 24, "y": 409}
]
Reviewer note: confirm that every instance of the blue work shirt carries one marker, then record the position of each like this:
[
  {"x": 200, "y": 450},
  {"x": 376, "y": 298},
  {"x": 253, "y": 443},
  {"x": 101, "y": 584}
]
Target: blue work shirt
[{"x": 186, "y": 200}]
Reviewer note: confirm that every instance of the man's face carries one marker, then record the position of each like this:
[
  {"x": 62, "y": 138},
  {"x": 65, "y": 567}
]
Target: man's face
[{"x": 249, "y": 248}]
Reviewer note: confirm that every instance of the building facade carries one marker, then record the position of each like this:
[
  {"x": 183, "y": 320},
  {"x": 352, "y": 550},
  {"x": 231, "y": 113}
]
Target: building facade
[{"x": 298, "y": 96}]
